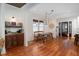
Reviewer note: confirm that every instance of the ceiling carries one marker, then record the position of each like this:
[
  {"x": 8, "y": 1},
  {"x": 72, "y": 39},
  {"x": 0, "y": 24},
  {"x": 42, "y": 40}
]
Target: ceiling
[
  {"x": 19, "y": 5},
  {"x": 59, "y": 9}
]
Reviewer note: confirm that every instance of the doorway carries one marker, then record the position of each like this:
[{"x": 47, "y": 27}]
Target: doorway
[{"x": 65, "y": 29}]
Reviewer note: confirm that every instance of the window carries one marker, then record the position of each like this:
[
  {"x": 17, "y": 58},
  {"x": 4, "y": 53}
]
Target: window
[
  {"x": 35, "y": 26},
  {"x": 38, "y": 25},
  {"x": 41, "y": 26}
]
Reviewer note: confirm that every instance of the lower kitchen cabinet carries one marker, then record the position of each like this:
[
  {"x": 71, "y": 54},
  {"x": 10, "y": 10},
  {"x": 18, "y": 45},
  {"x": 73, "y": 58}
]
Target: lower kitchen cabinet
[{"x": 14, "y": 40}]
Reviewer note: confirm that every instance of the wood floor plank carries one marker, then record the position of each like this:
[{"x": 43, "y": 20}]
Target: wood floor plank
[{"x": 57, "y": 47}]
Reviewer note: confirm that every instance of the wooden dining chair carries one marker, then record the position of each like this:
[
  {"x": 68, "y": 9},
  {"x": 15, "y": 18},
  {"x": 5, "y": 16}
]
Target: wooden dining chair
[
  {"x": 51, "y": 35},
  {"x": 38, "y": 35},
  {"x": 76, "y": 41}
]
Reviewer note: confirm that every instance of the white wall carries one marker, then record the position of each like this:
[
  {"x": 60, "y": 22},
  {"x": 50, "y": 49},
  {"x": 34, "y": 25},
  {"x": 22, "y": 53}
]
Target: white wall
[
  {"x": 68, "y": 10},
  {"x": 21, "y": 15},
  {"x": 52, "y": 30},
  {"x": 11, "y": 11},
  {"x": 74, "y": 23},
  {"x": 28, "y": 24},
  {"x": 2, "y": 26},
  {"x": 0, "y": 18},
  {"x": 25, "y": 16},
  {"x": 5, "y": 12}
]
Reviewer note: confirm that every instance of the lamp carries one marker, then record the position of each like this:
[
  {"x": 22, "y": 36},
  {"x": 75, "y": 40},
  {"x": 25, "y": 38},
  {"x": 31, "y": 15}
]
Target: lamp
[
  {"x": 47, "y": 21},
  {"x": 12, "y": 19}
]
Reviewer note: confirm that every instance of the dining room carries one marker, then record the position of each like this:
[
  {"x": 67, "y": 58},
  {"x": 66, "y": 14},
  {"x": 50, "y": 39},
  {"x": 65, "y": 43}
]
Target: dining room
[{"x": 34, "y": 29}]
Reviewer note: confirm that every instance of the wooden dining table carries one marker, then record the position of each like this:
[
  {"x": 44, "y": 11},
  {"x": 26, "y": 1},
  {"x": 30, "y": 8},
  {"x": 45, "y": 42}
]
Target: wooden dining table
[{"x": 43, "y": 37}]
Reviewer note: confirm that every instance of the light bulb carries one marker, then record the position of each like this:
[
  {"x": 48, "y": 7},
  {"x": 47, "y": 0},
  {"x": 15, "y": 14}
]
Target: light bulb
[{"x": 13, "y": 19}]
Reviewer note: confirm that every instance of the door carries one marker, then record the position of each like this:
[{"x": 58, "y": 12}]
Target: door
[
  {"x": 70, "y": 28},
  {"x": 60, "y": 27},
  {"x": 65, "y": 29}
]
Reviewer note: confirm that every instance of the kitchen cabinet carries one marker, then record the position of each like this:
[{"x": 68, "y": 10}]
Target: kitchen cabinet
[{"x": 12, "y": 40}]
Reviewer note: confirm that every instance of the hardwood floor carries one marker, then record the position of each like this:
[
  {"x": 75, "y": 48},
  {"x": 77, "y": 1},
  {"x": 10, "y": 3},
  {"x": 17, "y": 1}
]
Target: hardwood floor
[{"x": 57, "y": 47}]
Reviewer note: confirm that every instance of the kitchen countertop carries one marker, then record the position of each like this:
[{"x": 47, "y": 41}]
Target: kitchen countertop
[{"x": 12, "y": 34}]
